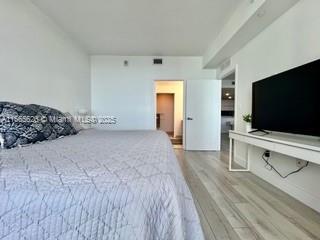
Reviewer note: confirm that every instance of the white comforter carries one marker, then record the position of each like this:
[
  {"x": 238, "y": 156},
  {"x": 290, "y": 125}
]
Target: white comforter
[{"x": 96, "y": 185}]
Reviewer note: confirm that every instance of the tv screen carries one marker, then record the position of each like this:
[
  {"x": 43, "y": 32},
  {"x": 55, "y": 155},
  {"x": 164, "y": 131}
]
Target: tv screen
[{"x": 289, "y": 102}]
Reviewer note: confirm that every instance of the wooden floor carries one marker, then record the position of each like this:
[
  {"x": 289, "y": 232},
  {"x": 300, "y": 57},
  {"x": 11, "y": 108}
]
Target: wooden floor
[{"x": 241, "y": 205}]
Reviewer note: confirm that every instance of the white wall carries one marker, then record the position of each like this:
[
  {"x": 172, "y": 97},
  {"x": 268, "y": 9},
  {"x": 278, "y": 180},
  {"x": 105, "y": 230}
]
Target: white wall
[
  {"x": 227, "y": 83},
  {"x": 175, "y": 87},
  {"x": 290, "y": 41},
  {"x": 38, "y": 62},
  {"x": 128, "y": 93}
]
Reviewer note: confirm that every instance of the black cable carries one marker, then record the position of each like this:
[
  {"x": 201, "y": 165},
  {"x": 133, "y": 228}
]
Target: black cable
[{"x": 268, "y": 164}]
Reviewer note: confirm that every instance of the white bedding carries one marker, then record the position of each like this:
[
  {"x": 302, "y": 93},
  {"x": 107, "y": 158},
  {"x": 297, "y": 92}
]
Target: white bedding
[{"x": 96, "y": 185}]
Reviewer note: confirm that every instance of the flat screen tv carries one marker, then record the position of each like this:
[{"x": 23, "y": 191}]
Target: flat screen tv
[{"x": 289, "y": 102}]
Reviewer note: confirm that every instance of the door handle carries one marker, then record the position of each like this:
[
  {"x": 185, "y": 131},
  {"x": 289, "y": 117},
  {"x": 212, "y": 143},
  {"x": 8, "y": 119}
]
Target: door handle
[{"x": 189, "y": 118}]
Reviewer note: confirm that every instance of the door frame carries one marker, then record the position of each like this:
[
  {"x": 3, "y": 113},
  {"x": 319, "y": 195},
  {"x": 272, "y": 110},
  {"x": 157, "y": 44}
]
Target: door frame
[
  {"x": 222, "y": 75},
  {"x": 184, "y": 105}
]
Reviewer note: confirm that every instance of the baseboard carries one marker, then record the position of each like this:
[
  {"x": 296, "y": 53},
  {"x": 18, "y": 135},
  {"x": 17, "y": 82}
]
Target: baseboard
[{"x": 296, "y": 192}]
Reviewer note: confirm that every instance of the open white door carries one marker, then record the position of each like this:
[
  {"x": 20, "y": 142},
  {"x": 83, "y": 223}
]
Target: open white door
[{"x": 203, "y": 115}]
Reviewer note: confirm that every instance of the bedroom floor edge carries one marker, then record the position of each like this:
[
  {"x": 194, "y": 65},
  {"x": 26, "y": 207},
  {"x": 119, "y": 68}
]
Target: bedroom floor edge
[{"x": 241, "y": 206}]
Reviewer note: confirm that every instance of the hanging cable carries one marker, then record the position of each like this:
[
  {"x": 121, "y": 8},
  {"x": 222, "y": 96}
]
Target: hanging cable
[{"x": 270, "y": 167}]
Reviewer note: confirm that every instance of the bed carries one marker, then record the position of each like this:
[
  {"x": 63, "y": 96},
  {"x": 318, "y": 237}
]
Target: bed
[{"x": 96, "y": 185}]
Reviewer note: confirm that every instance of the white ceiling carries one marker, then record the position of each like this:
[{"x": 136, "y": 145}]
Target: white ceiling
[{"x": 141, "y": 27}]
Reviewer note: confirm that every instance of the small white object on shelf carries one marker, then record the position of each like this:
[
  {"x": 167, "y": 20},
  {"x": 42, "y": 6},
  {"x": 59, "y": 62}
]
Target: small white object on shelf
[
  {"x": 82, "y": 111},
  {"x": 248, "y": 127},
  {"x": 83, "y": 114}
]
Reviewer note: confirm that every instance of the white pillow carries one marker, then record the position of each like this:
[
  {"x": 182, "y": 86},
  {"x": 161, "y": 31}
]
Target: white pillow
[{"x": 76, "y": 124}]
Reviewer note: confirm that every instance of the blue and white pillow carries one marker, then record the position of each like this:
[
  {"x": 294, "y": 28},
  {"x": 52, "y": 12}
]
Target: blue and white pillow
[{"x": 25, "y": 124}]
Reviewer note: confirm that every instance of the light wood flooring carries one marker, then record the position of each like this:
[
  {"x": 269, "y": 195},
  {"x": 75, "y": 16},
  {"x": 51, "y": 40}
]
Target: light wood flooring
[{"x": 241, "y": 205}]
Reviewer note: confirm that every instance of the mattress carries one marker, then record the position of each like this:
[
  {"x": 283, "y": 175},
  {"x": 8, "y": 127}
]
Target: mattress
[{"x": 96, "y": 185}]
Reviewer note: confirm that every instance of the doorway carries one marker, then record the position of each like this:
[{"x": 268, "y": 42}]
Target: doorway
[
  {"x": 227, "y": 108},
  {"x": 165, "y": 113},
  {"x": 169, "y": 109}
]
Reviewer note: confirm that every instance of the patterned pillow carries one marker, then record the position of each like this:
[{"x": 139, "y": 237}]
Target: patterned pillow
[{"x": 25, "y": 124}]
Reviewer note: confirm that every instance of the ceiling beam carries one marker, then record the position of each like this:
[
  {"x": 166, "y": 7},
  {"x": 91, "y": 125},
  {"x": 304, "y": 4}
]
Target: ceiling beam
[{"x": 250, "y": 18}]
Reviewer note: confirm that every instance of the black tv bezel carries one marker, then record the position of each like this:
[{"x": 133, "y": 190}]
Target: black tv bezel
[{"x": 278, "y": 130}]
